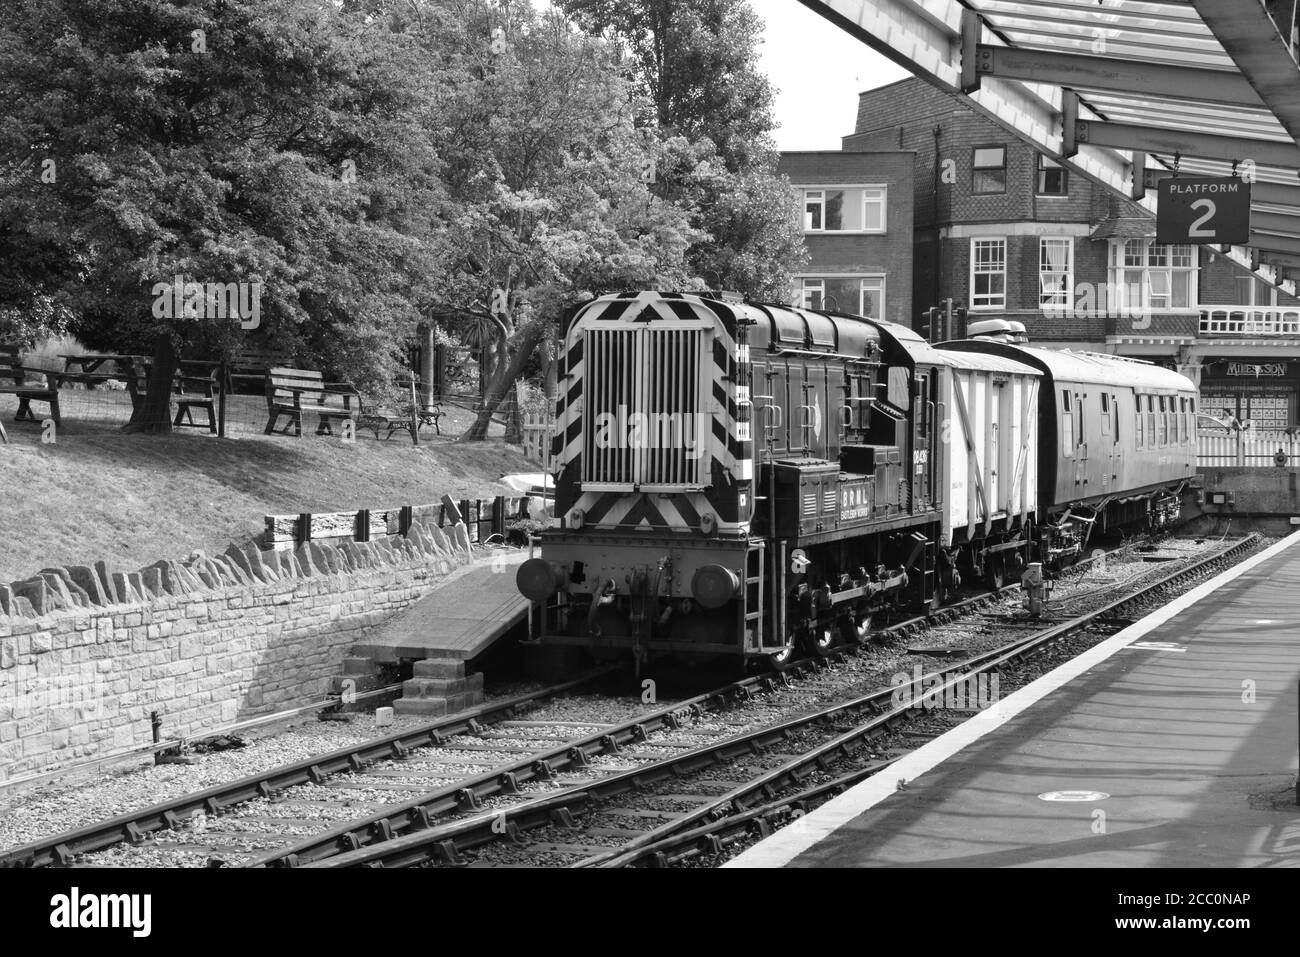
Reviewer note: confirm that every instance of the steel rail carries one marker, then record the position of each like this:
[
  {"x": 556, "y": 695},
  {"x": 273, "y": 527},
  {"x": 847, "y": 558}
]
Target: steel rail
[
  {"x": 467, "y": 794},
  {"x": 636, "y": 849},
  {"x": 134, "y": 826},
  {"x": 443, "y": 843},
  {"x": 709, "y": 838}
]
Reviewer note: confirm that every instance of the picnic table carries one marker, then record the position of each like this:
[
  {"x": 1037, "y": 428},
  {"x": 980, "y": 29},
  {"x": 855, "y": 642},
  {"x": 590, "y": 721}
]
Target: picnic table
[{"x": 85, "y": 368}]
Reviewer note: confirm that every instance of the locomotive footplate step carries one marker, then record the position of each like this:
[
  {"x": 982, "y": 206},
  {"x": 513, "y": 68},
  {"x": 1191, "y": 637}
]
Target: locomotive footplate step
[{"x": 1125, "y": 756}]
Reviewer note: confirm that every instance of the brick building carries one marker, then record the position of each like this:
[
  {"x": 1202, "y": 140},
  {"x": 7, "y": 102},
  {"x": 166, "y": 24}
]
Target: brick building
[
  {"x": 1001, "y": 229},
  {"x": 858, "y": 228}
]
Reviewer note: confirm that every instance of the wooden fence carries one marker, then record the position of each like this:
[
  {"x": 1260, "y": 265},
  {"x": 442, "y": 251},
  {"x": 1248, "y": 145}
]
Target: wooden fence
[
  {"x": 537, "y": 438},
  {"x": 1247, "y": 447},
  {"x": 483, "y": 518}
]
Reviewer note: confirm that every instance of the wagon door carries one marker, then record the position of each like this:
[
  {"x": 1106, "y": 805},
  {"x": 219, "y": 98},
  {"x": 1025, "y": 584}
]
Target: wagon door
[{"x": 993, "y": 462}]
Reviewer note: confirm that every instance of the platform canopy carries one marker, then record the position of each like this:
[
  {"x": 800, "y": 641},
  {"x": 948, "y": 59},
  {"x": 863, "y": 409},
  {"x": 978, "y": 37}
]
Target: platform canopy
[{"x": 1123, "y": 91}]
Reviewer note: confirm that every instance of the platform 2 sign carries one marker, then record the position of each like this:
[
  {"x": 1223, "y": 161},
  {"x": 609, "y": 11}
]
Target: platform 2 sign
[{"x": 1203, "y": 210}]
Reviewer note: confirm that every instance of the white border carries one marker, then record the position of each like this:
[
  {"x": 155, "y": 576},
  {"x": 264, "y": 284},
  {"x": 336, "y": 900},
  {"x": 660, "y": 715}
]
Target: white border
[{"x": 788, "y": 843}]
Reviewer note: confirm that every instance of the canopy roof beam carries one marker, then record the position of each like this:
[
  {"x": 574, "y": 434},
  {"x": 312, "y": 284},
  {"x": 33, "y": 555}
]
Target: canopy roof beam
[
  {"x": 1248, "y": 34},
  {"x": 1159, "y": 139},
  {"x": 938, "y": 40},
  {"x": 1260, "y": 192},
  {"x": 1122, "y": 76}
]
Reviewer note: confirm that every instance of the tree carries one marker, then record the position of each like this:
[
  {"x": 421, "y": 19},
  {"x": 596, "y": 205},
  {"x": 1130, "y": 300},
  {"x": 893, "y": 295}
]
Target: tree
[
  {"x": 544, "y": 161},
  {"x": 697, "y": 61},
  {"x": 265, "y": 153}
]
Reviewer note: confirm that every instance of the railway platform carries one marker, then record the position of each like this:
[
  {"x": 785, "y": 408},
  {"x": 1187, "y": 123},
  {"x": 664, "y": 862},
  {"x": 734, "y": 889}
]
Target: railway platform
[{"x": 1171, "y": 744}]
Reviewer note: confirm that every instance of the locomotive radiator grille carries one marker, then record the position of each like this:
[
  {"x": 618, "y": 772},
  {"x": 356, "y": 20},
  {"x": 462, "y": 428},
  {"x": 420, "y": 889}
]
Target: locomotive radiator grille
[{"x": 644, "y": 421}]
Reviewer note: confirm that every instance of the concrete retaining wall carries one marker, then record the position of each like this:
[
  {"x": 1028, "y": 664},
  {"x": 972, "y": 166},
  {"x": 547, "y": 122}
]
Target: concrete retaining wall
[{"x": 1256, "y": 491}]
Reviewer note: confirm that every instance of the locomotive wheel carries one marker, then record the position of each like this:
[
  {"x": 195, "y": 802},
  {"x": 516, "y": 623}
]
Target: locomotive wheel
[
  {"x": 821, "y": 640},
  {"x": 783, "y": 659},
  {"x": 854, "y": 631}
]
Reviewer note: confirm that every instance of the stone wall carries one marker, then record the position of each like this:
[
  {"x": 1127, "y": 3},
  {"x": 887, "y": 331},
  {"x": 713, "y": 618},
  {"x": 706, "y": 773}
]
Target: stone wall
[{"x": 87, "y": 653}]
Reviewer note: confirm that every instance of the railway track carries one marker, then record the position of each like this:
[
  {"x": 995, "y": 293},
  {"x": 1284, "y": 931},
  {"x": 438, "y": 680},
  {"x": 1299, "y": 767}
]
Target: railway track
[
  {"x": 135, "y": 826},
  {"x": 537, "y": 757},
  {"x": 701, "y": 796}
]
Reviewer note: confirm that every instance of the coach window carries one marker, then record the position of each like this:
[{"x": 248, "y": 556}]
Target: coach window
[
  {"x": 1151, "y": 420},
  {"x": 1105, "y": 414},
  {"x": 1139, "y": 434},
  {"x": 1182, "y": 419},
  {"x": 1067, "y": 423},
  {"x": 1162, "y": 423}
]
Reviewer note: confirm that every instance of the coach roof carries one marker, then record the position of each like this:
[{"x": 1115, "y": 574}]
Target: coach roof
[
  {"x": 1085, "y": 367},
  {"x": 919, "y": 350}
]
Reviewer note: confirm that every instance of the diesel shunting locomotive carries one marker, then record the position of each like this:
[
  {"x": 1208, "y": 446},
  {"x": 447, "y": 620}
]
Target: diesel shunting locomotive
[{"x": 736, "y": 478}]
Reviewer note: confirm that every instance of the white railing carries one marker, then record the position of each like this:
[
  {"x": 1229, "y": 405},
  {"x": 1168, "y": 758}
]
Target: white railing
[
  {"x": 1250, "y": 321},
  {"x": 1247, "y": 447}
]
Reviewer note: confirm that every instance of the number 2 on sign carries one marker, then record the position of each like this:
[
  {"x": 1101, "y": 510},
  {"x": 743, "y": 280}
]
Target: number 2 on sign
[{"x": 1196, "y": 232}]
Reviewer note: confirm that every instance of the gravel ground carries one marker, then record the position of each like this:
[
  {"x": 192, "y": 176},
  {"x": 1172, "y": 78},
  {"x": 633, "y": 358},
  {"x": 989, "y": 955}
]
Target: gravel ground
[
  {"x": 32, "y": 813},
  {"x": 237, "y": 834}
]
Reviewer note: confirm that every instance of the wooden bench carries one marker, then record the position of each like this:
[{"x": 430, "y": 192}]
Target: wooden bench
[
  {"x": 291, "y": 392},
  {"x": 249, "y": 364},
  {"x": 12, "y": 371},
  {"x": 195, "y": 387}
]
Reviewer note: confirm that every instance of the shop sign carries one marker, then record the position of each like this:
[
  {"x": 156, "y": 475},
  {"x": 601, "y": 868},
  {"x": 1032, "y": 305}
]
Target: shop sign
[{"x": 1257, "y": 369}]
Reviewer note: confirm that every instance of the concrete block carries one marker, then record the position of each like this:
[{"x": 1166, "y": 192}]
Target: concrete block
[
  {"x": 359, "y": 666},
  {"x": 438, "y": 668}
]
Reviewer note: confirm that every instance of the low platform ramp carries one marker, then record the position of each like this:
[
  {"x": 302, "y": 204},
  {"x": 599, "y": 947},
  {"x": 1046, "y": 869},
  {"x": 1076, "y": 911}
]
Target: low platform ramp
[{"x": 459, "y": 620}]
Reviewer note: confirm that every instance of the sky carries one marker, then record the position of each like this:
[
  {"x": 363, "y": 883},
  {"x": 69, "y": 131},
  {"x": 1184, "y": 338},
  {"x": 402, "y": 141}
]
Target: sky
[{"x": 818, "y": 71}]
